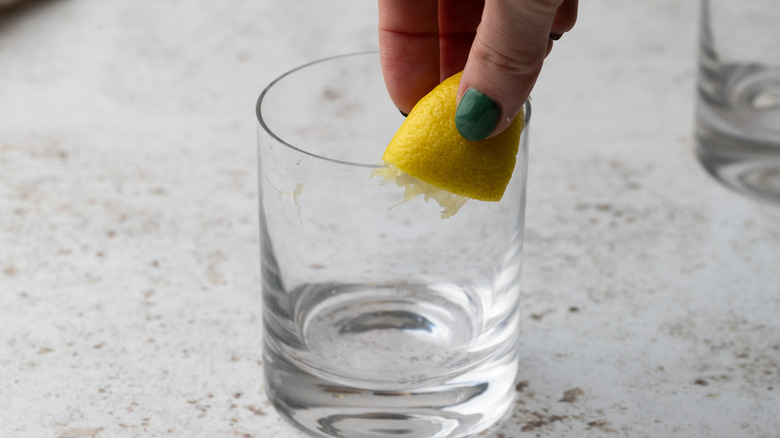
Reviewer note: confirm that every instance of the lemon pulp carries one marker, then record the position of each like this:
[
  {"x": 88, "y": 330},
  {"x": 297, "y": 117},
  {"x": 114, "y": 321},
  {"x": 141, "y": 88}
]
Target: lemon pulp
[
  {"x": 413, "y": 187},
  {"x": 428, "y": 156}
]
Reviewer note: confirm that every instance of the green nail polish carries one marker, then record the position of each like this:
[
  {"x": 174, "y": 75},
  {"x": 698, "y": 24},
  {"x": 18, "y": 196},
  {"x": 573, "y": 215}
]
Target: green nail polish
[{"x": 477, "y": 115}]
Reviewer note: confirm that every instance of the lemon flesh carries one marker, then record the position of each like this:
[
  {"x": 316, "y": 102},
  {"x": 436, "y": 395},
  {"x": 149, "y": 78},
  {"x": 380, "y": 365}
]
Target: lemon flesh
[
  {"x": 413, "y": 187},
  {"x": 429, "y": 148}
]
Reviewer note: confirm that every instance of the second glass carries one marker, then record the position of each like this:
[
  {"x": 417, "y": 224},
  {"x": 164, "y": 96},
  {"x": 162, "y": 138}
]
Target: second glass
[
  {"x": 381, "y": 318},
  {"x": 738, "y": 108}
]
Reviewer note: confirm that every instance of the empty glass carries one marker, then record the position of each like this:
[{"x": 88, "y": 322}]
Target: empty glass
[
  {"x": 738, "y": 110},
  {"x": 381, "y": 318}
]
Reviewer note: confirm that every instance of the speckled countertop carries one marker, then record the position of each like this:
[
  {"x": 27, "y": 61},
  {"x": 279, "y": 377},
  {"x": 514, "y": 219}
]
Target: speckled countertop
[{"x": 129, "y": 279}]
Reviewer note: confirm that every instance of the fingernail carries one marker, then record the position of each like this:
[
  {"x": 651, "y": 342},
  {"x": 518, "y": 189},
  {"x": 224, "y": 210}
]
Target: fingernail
[
  {"x": 403, "y": 113},
  {"x": 477, "y": 115},
  {"x": 555, "y": 36}
]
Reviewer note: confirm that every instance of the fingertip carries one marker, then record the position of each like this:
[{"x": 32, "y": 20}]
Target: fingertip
[
  {"x": 565, "y": 17},
  {"x": 507, "y": 92},
  {"x": 477, "y": 115}
]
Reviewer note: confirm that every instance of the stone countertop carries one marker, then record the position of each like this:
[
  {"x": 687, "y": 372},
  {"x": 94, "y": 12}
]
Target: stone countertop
[{"x": 129, "y": 279}]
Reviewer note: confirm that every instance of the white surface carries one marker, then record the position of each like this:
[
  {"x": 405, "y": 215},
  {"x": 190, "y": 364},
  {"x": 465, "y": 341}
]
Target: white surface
[{"x": 129, "y": 297}]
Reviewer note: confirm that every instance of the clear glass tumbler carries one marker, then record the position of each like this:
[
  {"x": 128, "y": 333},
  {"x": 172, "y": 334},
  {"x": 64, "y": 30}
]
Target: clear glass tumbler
[
  {"x": 381, "y": 319},
  {"x": 738, "y": 108}
]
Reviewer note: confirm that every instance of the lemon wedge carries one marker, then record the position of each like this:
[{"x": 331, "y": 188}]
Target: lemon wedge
[{"x": 428, "y": 148}]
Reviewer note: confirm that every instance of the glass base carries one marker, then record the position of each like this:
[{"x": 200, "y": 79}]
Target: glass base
[
  {"x": 459, "y": 407},
  {"x": 749, "y": 169},
  {"x": 738, "y": 127},
  {"x": 401, "y": 360}
]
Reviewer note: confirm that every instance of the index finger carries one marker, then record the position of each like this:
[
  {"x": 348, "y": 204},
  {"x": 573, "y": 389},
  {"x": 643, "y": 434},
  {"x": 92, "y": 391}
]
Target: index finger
[{"x": 409, "y": 49}]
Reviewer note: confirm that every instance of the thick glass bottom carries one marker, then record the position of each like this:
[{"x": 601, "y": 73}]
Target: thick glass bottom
[
  {"x": 459, "y": 407},
  {"x": 392, "y": 360},
  {"x": 738, "y": 127},
  {"x": 750, "y": 169}
]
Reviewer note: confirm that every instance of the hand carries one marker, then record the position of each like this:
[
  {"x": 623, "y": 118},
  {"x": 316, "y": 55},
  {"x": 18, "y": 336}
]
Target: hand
[{"x": 500, "y": 45}]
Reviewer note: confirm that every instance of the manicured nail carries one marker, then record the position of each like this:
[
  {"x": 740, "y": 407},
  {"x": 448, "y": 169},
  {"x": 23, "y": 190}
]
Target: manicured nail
[
  {"x": 555, "y": 36},
  {"x": 477, "y": 115},
  {"x": 403, "y": 113}
]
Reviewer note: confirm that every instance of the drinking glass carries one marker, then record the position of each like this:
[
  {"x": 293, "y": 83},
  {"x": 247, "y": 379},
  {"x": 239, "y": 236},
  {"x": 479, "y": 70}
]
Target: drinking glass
[
  {"x": 738, "y": 108},
  {"x": 381, "y": 319}
]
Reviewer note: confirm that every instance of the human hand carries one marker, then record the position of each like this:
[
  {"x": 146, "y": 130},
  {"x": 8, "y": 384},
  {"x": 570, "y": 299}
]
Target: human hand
[
  {"x": 499, "y": 44},
  {"x": 4, "y": 3}
]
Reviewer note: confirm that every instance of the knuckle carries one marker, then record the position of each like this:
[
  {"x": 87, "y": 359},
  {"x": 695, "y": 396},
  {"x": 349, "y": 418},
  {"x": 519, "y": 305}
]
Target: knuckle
[{"x": 512, "y": 60}]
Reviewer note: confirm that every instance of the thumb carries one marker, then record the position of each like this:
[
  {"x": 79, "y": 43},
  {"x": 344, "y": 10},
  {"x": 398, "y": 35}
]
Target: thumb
[{"x": 506, "y": 57}]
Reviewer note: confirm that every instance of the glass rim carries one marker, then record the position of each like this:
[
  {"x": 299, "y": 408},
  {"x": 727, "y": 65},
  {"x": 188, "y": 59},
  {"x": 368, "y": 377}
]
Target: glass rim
[{"x": 267, "y": 129}]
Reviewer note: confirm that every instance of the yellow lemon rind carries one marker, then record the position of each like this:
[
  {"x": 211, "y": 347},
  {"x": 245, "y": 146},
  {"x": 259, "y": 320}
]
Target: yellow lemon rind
[{"x": 429, "y": 147}]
